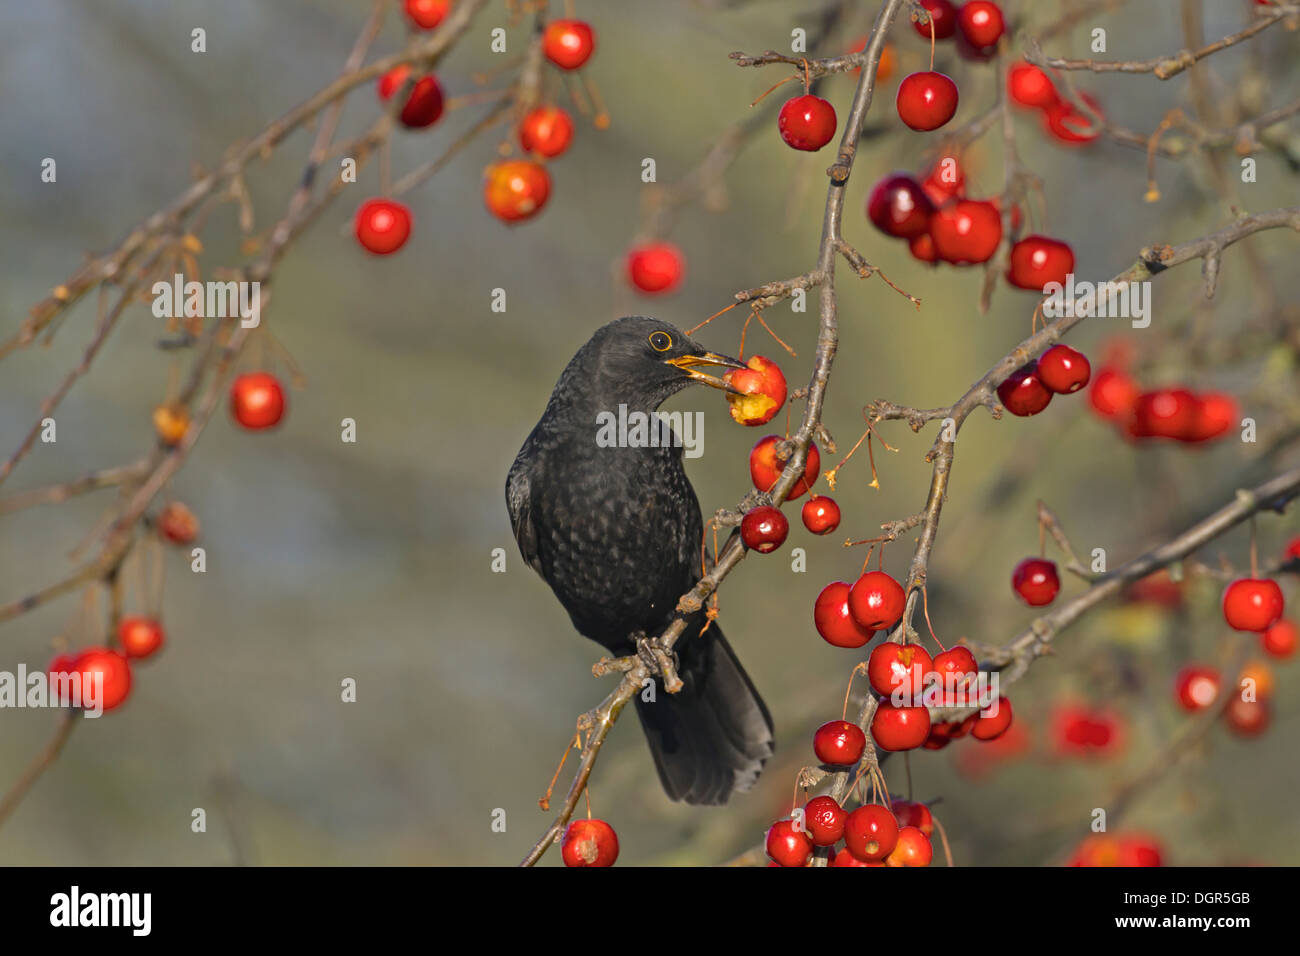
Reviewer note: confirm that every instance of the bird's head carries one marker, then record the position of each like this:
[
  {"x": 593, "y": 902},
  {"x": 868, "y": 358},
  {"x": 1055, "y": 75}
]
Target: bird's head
[{"x": 642, "y": 361}]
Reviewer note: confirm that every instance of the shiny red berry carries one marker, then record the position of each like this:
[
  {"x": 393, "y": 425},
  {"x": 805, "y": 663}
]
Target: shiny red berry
[
  {"x": 898, "y": 667},
  {"x": 426, "y": 14},
  {"x": 1165, "y": 413},
  {"x": 1063, "y": 370},
  {"x": 382, "y": 226},
  {"x": 1251, "y": 604},
  {"x": 1281, "y": 639},
  {"x": 821, "y": 515},
  {"x": 1037, "y": 261},
  {"x": 876, "y": 600},
  {"x": 958, "y": 669},
  {"x": 516, "y": 189},
  {"x": 944, "y": 17},
  {"x": 993, "y": 725},
  {"x": 1030, "y": 86},
  {"x": 845, "y": 858},
  {"x": 765, "y": 467},
  {"x": 589, "y": 843},
  {"x": 1114, "y": 393},
  {"x": 788, "y": 846},
  {"x": 568, "y": 43},
  {"x": 899, "y": 728},
  {"x": 1196, "y": 687},
  {"x": 833, "y": 619},
  {"x": 807, "y": 122},
  {"x": 763, "y": 529},
  {"x": 926, "y": 100},
  {"x": 656, "y": 267},
  {"x": 910, "y": 814},
  {"x": 899, "y": 206},
  {"x": 824, "y": 820},
  {"x": 423, "y": 104},
  {"x": 547, "y": 130},
  {"x": 139, "y": 637},
  {"x": 1036, "y": 581},
  {"x": 981, "y": 23},
  {"x": 871, "y": 832},
  {"x": 1022, "y": 393},
  {"x": 110, "y": 666},
  {"x": 912, "y": 849},
  {"x": 966, "y": 231},
  {"x": 256, "y": 400},
  {"x": 839, "y": 743}
]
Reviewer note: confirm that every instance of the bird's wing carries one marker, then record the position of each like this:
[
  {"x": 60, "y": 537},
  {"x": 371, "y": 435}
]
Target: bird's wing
[{"x": 519, "y": 501}]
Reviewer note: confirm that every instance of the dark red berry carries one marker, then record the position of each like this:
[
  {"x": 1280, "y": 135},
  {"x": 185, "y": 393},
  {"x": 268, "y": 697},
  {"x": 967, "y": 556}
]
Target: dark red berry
[
  {"x": 807, "y": 122},
  {"x": 1022, "y": 393},
  {"x": 899, "y": 728},
  {"x": 824, "y": 820},
  {"x": 966, "y": 231},
  {"x": 926, "y": 100},
  {"x": 763, "y": 529},
  {"x": 944, "y": 17},
  {"x": 871, "y": 832},
  {"x": 834, "y": 621},
  {"x": 898, "y": 206},
  {"x": 876, "y": 600},
  {"x": 821, "y": 515},
  {"x": 788, "y": 846},
  {"x": 839, "y": 743},
  {"x": 1063, "y": 369},
  {"x": 1036, "y": 581},
  {"x": 1037, "y": 261}
]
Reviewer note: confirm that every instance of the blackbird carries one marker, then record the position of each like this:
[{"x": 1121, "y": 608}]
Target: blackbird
[{"x": 616, "y": 532}]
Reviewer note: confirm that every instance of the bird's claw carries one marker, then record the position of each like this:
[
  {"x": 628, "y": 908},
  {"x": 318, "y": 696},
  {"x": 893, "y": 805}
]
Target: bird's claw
[{"x": 659, "y": 660}]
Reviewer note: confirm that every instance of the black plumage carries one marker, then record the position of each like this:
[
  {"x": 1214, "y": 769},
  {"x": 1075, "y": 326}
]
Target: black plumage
[{"x": 616, "y": 532}]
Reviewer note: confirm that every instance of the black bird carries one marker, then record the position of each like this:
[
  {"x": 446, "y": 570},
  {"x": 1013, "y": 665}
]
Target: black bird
[{"x": 616, "y": 533}]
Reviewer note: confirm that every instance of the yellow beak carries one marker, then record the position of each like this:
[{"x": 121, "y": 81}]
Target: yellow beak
[{"x": 687, "y": 363}]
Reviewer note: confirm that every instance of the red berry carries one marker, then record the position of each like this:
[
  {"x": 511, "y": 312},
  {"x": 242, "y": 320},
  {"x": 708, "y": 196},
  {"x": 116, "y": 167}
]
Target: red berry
[
  {"x": 821, "y": 515},
  {"x": 382, "y": 226},
  {"x": 845, "y": 858},
  {"x": 1113, "y": 394},
  {"x": 916, "y": 815},
  {"x": 256, "y": 400},
  {"x": 1030, "y": 86},
  {"x": 1071, "y": 126},
  {"x": 824, "y": 820},
  {"x": 765, "y": 468},
  {"x": 1252, "y": 604},
  {"x": 788, "y": 846},
  {"x": 944, "y": 17},
  {"x": 762, "y": 391},
  {"x": 898, "y": 666},
  {"x": 656, "y": 267},
  {"x": 1197, "y": 687},
  {"x": 426, "y": 14},
  {"x": 898, "y": 206},
  {"x": 139, "y": 636},
  {"x": 589, "y": 843},
  {"x": 899, "y": 728},
  {"x": 547, "y": 130},
  {"x": 516, "y": 189},
  {"x": 876, "y": 601},
  {"x": 1023, "y": 393},
  {"x": 1063, "y": 369},
  {"x": 1247, "y": 718},
  {"x": 913, "y": 849},
  {"x": 968, "y": 230},
  {"x": 568, "y": 43},
  {"x": 946, "y": 180},
  {"x": 870, "y": 832},
  {"x": 839, "y": 743},
  {"x": 926, "y": 100},
  {"x": 763, "y": 529},
  {"x": 424, "y": 104},
  {"x": 958, "y": 668},
  {"x": 807, "y": 122},
  {"x": 994, "y": 725},
  {"x": 1037, "y": 261},
  {"x": 834, "y": 621},
  {"x": 178, "y": 524},
  {"x": 1036, "y": 581},
  {"x": 981, "y": 23},
  {"x": 1217, "y": 413},
  {"x": 1281, "y": 639},
  {"x": 1165, "y": 413},
  {"x": 922, "y": 247},
  {"x": 115, "y": 671}
]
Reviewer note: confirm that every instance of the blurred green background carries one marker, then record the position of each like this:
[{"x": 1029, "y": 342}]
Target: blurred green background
[{"x": 372, "y": 561}]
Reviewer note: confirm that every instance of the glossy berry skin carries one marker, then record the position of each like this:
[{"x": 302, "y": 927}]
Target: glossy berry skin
[
  {"x": 926, "y": 100},
  {"x": 516, "y": 189},
  {"x": 871, "y": 832},
  {"x": 1037, "y": 261},
  {"x": 898, "y": 667},
  {"x": 1022, "y": 393},
  {"x": 424, "y": 103},
  {"x": 762, "y": 391},
  {"x": 944, "y": 17},
  {"x": 139, "y": 637},
  {"x": 656, "y": 267},
  {"x": 568, "y": 43},
  {"x": 1252, "y": 604},
  {"x": 1196, "y": 687},
  {"x": 589, "y": 843},
  {"x": 178, "y": 524},
  {"x": 1114, "y": 393},
  {"x": 995, "y": 725},
  {"x": 765, "y": 468},
  {"x": 1029, "y": 86},
  {"x": 763, "y": 529},
  {"x": 1247, "y": 718},
  {"x": 1070, "y": 126},
  {"x": 382, "y": 226},
  {"x": 824, "y": 820},
  {"x": 256, "y": 400},
  {"x": 876, "y": 600},
  {"x": 820, "y": 514},
  {"x": 898, "y": 206},
  {"x": 1063, "y": 370},
  {"x": 958, "y": 667},
  {"x": 833, "y": 619},
  {"x": 981, "y": 23},
  {"x": 966, "y": 231},
  {"x": 806, "y": 122},
  {"x": 845, "y": 858},
  {"x": 546, "y": 130},
  {"x": 899, "y": 728},
  {"x": 788, "y": 846},
  {"x": 1281, "y": 639},
  {"x": 839, "y": 743},
  {"x": 426, "y": 14},
  {"x": 910, "y": 814},
  {"x": 1216, "y": 414},
  {"x": 115, "y": 670},
  {"x": 1036, "y": 582},
  {"x": 912, "y": 849}
]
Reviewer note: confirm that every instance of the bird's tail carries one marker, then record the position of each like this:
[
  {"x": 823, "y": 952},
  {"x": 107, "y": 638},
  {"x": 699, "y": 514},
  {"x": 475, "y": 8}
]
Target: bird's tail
[{"x": 712, "y": 737}]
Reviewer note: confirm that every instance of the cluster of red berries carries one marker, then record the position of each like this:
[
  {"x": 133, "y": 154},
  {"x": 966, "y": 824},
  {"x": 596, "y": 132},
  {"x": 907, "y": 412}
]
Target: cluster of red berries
[
  {"x": 1175, "y": 413},
  {"x": 1030, "y": 87},
  {"x": 872, "y": 835},
  {"x": 1060, "y": 370},
  {"x": 928, "y": 99},
  {"x": 513, "y": 189},
  {"x": 589, "y": 843},
  {"x": 138, "y": 638}
]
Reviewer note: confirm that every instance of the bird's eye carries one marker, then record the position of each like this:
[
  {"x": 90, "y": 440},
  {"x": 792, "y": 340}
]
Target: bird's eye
[{"x": 661, "y": 341}]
